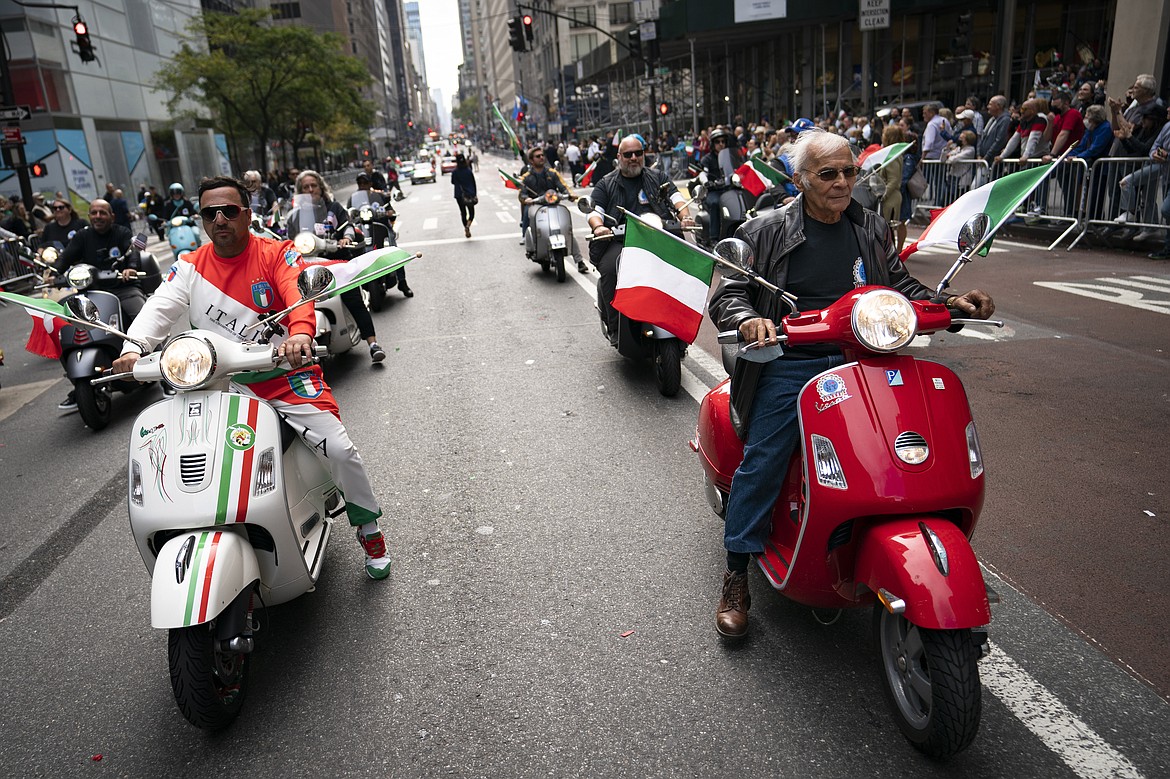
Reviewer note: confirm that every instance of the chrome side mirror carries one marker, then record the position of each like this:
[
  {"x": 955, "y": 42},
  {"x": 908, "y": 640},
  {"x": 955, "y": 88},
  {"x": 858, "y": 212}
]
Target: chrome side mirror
[
  {"x": 83, "y": 308},
  {"x": 736, "y": 252},
  {"x": 585, "y": 204},
  {"x": 314, "y": 280},
  {"x": 972, "y": 231}
]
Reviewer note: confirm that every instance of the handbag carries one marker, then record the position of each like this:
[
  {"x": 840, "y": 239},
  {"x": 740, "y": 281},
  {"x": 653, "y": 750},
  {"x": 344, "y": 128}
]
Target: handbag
[
  {"x": 916, "y": 184},
  {"x": 470, "y": 200}
]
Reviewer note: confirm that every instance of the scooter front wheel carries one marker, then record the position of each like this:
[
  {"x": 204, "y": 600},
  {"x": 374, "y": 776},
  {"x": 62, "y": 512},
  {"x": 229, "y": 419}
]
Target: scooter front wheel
[
  {"x": 931, "y": 682},
  {"x": 209, "y": 683},
  {"x": 93, "y": 404},
  {"x": 668, "y": 366},
  {"x": 558, "y": 263}
]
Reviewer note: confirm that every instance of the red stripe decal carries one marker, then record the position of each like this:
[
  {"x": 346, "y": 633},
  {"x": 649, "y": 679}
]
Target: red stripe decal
[
  {"x": 207, "y": 575},
  {"x": 246, "y": 468}
]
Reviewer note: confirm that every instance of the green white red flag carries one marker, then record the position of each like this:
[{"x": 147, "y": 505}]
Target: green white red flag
[
  {"x": 587, "y": 177},
  {"x": 879, "y": 158},
  {"x": 998, "y": 199},
  {"x": 515, "y": 143},
  {"x": 662, "y": 280},
  {"x": 758, "y": 176},
  {"x": 510, "y": 181},
  {"x": 350, "y": 274},
  {"x": 48, "y": 317}
]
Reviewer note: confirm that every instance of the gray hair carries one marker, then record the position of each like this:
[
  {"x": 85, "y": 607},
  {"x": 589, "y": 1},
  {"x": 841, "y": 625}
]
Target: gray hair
[
  {"x": 1097, "y": 115},
  {"x": 252, "y": 174},
  {"x": 326, "y": 190},
  {"x": 814, "y": 143},
  {"x": 1147, "y": 82}
]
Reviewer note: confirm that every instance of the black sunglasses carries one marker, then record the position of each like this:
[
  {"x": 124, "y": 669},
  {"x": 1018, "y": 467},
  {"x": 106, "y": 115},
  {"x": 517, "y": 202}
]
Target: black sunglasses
[
  {"x": 229, "y": 212},
  {"x": 629, "y": 155},
  {"x": 60, "y": 208},
  {"x": 830, "y": 174},
  {"x": 719, "y": 140}
]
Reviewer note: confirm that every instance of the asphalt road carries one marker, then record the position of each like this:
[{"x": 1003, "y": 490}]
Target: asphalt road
[{"x": 541, "y": 502}]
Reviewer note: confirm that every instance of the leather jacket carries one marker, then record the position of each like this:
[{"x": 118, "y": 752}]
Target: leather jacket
[{"x": 773, "y": 237}]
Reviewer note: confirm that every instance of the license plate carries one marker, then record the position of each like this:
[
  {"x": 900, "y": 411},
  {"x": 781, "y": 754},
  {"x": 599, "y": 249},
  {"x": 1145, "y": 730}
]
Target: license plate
[{"x": 556, "y": 241}]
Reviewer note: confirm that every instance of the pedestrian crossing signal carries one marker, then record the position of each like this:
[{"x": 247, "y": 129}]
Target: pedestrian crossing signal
[
  {"x": 38, "y": 170},
  {"x": 663, "y": 108}
]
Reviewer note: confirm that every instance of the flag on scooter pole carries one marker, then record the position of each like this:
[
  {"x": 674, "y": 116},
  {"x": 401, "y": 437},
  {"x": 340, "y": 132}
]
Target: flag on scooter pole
[
  {"x": 587, "y": 177},
  {"x": 757, "y": 176},
  {"x": 998, "y": 199},
  {"x": 350, "y": 274},
  {"x": 507, "y": 129},
  {"x": 510, "y": 181},
  {"x": 48, "y": 317},
  {"x": 872, "y": 162},
  {"x": 662, "y": 280}
]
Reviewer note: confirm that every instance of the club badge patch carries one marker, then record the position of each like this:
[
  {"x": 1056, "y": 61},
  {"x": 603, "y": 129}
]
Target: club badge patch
[
  {"x": 262, "y": 294},
  {"x": 172, "y": 272},
  {"x": 858, "y": 273},
  {"x": 292, "y": 258},
  {"x": 894, "y": 378},
  {"x": 305, "y": 385},
  {"x": 240, "y": 437},
  {"x": 832, "y": 390}
]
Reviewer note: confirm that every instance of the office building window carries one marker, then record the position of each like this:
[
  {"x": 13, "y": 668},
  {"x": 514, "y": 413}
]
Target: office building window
[
  {"x": 621, "y": 13},
  {"x": 582, "y": 16}
]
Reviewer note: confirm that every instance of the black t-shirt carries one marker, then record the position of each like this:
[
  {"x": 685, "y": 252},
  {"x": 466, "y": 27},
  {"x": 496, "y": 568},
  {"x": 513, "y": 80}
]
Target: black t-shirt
[
  {"x": 539, "y": 183},
  {"x": 56, "y": 234},
  {"x": 822, "y": 269},
  {"x": 99, "y": 250}
]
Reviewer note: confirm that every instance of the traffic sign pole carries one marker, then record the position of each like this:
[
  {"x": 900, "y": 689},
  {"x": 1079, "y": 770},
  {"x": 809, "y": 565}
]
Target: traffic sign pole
[{"x": 19, "y": 163}]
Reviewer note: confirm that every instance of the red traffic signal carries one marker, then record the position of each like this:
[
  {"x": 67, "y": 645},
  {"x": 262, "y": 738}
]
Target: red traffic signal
[
  {"x": 410, "y": 123},
  {"x": 663, "y": 108},
  {"x": 38, "y": 170},
  {"x": 80, "y": 28},
  {"x": 519, "y": 117},
  {"x": 81, "y": 39},
  {"x": 527, "y": 21}
]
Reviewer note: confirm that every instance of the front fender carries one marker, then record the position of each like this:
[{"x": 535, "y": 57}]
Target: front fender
[
  {"x": 198, "y": 574},
  {"x": 895, "y": 555}
]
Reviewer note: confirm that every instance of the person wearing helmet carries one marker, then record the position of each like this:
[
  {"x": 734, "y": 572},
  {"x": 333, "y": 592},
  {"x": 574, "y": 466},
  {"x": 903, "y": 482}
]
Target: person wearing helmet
[
  {"x": 719, "y": 163},
  {"x": 177, "y": 204}
]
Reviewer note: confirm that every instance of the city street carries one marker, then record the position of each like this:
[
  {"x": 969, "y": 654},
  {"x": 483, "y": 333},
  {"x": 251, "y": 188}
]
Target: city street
[{"x": 557, "y": 568}]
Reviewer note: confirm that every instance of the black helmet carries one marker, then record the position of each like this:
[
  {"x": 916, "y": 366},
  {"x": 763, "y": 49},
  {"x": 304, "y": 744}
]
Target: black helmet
[{"x": 720, "y": 134}]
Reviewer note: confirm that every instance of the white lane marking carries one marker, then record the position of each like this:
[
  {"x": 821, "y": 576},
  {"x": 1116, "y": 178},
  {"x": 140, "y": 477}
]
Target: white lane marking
[
  {"x": 504, "y": 216},
  {"x": 15, "y": 396},
  {"x": 1110, "y": 294},
  {"x": 431, "y": 223},
  {"x": 1141, "y": 282},
  {"x": 712, "y": 365},
  {"x": 436, "y": 198},
  {"x": 1074, "y": 742}
]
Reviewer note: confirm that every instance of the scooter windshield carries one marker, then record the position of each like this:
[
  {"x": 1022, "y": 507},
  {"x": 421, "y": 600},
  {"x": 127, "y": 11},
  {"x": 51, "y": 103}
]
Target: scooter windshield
[
  {"x": 359, "y": 198},
  {"x": 306, "y": 214}
]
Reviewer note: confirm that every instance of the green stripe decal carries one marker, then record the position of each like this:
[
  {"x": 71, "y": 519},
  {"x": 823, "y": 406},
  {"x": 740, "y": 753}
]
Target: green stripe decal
[
  {"x": 225, "y": 473},
  {"x": 193, "y": 572}
]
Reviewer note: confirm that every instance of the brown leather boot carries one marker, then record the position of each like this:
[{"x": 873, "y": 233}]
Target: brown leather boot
[{"x": 732, "y": 618}]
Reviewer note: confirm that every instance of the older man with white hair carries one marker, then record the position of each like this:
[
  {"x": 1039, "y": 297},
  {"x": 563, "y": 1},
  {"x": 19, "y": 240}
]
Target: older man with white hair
[{"x": 818, "y": 247}]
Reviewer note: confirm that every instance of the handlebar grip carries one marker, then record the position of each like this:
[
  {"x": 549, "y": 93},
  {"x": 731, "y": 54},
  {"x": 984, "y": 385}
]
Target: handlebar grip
[{"x": 729, "y": 337}]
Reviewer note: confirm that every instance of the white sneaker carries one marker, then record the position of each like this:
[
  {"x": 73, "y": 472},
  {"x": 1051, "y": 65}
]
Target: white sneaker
[
  {"x": 1122, "y": 218},
  {"x": 1146, "y": 235}
]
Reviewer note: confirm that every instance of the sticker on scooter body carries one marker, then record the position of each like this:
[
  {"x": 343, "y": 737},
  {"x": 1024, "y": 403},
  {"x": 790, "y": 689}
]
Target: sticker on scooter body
[
  {"x": 240, "y": 437},
  {"x": 832, "y": 390},
  {"x": 894, "y": 378},
  {"x": 556, "y": 241},
  {"x": 938, "y": 383}
]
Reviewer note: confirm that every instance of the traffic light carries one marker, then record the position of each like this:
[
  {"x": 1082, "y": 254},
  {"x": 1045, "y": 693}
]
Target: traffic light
[
  {"x": 527, "y": 21},
  {"x": 410, "y": 123},
  {"x": 84, "y": 45},
  {"x": 516, "y": 34},
  {"x": 961, "y": 43},
  {"x": 38, "y": 170},
  {"x": 519, "y": 117},
  {"x": 635, "y": 42},
  {"x": 663, "y": 108}
]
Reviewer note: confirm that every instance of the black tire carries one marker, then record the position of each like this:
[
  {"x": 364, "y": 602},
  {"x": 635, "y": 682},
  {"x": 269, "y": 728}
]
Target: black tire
[
  {"x": 668, "y": 365},
  {"x": 558, "y": 262},
  {"x": 545, "y": 265},
  {"x": 931, "y": 681},
  {"x": 377, "y": 290},
  {"x": 94, "y": 404},
  {"x": 209, "y": 685}
]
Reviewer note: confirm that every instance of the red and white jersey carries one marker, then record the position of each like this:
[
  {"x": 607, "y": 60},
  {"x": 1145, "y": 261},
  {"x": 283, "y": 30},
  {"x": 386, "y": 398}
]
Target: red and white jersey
[{"x": 226, "y": 295}]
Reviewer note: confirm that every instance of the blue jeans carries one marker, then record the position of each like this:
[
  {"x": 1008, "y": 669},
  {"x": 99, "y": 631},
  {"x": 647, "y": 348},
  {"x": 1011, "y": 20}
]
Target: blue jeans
[{"x": 772, "y": 435}]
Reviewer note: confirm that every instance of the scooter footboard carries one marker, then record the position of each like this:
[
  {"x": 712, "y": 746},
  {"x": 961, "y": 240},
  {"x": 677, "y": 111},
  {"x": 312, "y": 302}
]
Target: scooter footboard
[
  {"x": 937, "y": 577},
  {"x": 198, "y": 574}
]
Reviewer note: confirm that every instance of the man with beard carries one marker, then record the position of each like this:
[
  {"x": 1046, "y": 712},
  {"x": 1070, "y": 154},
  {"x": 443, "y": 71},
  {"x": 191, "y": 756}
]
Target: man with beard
[{"x": 635, "y": 188}]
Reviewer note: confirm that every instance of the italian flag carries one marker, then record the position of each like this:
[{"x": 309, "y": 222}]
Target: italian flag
[
  {"x": 507, "y": 129},
  {"x": 758, "y": 176},
  {"x": 48, "y": 317},
  {"x": 662, "y": 280},
  {"x": 510, "y": 181},
  {"x": 348, "y": 274},
  {"x": 871, "y": 162},
  {"x": 617, "y": 137},
  {"x": 587, "y": 177},
  {"x": 998, "y": 199}
]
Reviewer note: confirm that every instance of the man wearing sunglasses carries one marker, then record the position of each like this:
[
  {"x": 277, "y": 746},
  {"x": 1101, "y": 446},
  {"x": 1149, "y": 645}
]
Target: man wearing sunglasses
[
  {"x": 225, "y": 287},
  {"x": 637, "y": 189},
  {"x": 818, "y": 247},
  {"x": 541, "y": 180},
  {"x": 720, "y": 163}
]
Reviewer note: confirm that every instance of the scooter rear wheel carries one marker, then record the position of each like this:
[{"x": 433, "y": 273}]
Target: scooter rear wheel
[
  {"x": 377, "y": 292},
  {"x": 558, "y": 263},
  {"x": 93, "y": 404},
  {"x": 668, "y": 366},
  {"x": 931, "y": 681},
  {"x": 209, "y": 683}
]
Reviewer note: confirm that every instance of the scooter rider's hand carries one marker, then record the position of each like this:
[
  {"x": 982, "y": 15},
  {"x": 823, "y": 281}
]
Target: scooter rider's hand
[
  {"x": 976, "y": 304},
  {"x": 759, "y": 329},
  {"x": 297, "y": 349},
  {"x": 129, "y": 274},
  {"x": 344, "y": 241},
  {"x": 125, "y": 363}
]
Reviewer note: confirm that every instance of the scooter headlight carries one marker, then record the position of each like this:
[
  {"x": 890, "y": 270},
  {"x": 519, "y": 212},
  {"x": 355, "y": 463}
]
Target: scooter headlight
[
  {"x": 80, "y": 276},
  {"x": 884, "y": 320},
  {"x": 305, "y": 243},
  {"x": 366, "y": 214},
  {"x": 187, "y": 362}
]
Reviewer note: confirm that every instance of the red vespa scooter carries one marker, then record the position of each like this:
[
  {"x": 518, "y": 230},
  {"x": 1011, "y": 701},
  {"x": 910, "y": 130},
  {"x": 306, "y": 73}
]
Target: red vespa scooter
[{"x": 880, "y": 500}]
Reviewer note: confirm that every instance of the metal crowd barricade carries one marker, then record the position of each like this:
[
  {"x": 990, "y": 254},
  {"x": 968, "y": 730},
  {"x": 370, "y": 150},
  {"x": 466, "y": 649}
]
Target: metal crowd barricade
[
  {"x": 1105, "y": 196},
  {"x": 16, "y": 269},
  {"x": 947, "y": 182},
  {"x": 1059, "y": 198}
]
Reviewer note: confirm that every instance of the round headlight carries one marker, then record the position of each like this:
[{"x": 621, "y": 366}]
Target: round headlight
[
  {"x": 366, "y": 214},
  {"x": 178, "y": 220},
  {"x": 187, "y": 362},
  {"x": 80, "y": 276},
  {"x": 305, "y": 243},
  {"x": 49, "y": 255},
  {"x": 884, "y": 320}
]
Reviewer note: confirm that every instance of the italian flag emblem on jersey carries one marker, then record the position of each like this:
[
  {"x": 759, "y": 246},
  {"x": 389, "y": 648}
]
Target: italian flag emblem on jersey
[
  {"x": 662, "y": 280},
  {"x": 262, "y": 294},
  {"x": 305, "y": 384}
]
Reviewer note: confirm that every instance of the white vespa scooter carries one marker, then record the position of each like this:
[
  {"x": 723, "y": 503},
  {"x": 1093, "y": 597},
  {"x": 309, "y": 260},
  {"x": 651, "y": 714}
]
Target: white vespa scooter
[{"x": 227, "y": 505}]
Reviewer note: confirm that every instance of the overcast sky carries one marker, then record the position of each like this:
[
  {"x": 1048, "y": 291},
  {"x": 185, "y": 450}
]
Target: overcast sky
[{"x": 442, "y": 47}]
